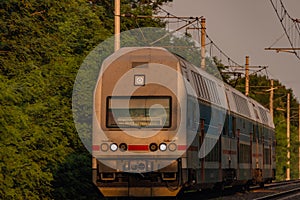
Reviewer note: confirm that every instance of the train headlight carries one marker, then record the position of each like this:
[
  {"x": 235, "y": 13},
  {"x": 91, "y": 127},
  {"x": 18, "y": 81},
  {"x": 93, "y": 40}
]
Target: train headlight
[
  {"x": 153, "y": 147},
  {"x": 123, "y": 147},
  {"x": 104, "y": 147},
  {"x": 113, "y": 147},
  {"x": 163, "y": 146},
  {"x": 172, "y": 147},
  {"x": 139, "y": 80}
]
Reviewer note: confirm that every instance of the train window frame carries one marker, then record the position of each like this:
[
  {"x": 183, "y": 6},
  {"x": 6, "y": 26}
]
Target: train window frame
[
  {"x": 201, "y": 132},
  {"x": 245, "y": 153},
  {"x": 263, "y": 115},
  {"x": 255, "y": 111},
  {"x": 267, "y": 155},
  {"x": 214, "y": 154},
  {"x": 201, "y": 85},
  {"x": 254, "y": 132},
  {"x": 204, "y": 87},
  {"x": 226, "y": 126},
  {"x": 196, "y": 83},
  {"x": 232, "y": 133},
  {"x": 241, "y": 104},
  {"x": 117, "y": 126}
]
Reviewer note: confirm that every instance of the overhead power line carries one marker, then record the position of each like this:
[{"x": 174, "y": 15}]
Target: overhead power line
[
  {"x": 291, "y": 27},
  {"x": 198, "y": 28},
  {"x": 232, "y": 67}
]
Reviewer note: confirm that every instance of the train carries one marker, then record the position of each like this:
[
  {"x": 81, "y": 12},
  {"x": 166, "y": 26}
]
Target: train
[{"x": 162, "y": 126}]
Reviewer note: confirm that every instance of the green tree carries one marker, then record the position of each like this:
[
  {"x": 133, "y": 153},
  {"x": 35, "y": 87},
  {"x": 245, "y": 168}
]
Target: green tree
[{"x": 42, "y": 46}]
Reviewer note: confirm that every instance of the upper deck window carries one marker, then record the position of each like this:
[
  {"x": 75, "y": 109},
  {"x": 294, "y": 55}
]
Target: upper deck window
[
  {"x": 263, "y": 114},
  {"x": 138, "y": 112},
  {"x": 241, "y": 104},
  {"x": 206, "y": 88}
]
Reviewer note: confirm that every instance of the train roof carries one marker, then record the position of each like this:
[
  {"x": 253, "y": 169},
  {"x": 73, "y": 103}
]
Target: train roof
[
  {"x": 126, "y": 50},
  {"x": 209, "y": 88},
  {"x": 235, "y": 101}
]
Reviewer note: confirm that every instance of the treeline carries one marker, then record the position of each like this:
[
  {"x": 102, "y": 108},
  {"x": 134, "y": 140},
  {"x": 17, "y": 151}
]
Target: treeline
[{"x": 42, "y": 46}]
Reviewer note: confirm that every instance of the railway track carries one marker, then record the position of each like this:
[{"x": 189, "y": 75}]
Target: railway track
[
  {"x": 277, "y": 184},
  {"x": 289, "y": 194},
  {"x": 284, "y": 190},
  {"x": 287, "y": 190}
]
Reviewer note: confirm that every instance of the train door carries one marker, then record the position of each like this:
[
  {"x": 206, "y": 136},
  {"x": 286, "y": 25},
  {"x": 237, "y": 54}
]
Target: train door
[
  {"x": 257, "y": 172},
  {"x": 251, "y": 152},
  {"x": 238, "y": 132},
  {"x": 233, "y": 127},
  {"x": 273, "y": 156},
  {"x": 201, "y": 135},
  {"x": 193, "y": 164},
  {"x": 233, "y": 146},
  {"x": 263, "y": 152}
]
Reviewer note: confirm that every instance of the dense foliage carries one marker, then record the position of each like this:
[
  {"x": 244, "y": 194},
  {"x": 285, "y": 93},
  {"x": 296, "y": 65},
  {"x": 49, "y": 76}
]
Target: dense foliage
[{"x": 42, "y": 46}]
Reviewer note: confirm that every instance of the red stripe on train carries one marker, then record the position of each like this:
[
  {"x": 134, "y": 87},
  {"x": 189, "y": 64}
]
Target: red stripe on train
[
  {"x": 96, "y": 147},
  {"x": 225, "y": 151},
  {"x": 181, "y": 147},
  {"x": 137, "y": 147}
]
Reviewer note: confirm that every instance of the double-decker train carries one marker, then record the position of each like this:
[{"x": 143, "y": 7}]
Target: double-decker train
[{"x": 162, "y": 126}]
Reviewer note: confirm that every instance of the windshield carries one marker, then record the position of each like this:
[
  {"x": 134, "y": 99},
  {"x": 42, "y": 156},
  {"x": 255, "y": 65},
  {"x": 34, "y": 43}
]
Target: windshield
[{"x": 146, "y": 112}]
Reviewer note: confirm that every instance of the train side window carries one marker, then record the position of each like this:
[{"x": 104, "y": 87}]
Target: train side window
[
  {"x": 267, "y": 156},
  {"x": 201, "y": 89},
  {"x": 196, "y": 84},
  {"x": 201, "y": 127},
  {"x": 245, "y": 153},
  {"x": 192, "y": 114},
  {"x": 201, "y": 131},
  {"x": 233, "y": 126},
  {"x": 255, "y": 111},
  {"x": 203, "y": 81},
  {"x": 225, "y": 127},
  {"x": 259, "y": 133},
  {"x": 202, "y": 124},
  {"x": 254, "y": 133},
  {"x": 213, "y": 155}
]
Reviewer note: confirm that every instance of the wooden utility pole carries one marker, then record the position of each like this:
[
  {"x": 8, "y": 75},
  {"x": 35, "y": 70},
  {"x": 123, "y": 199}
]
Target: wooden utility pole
[
  {"x": 203, "y": 37},
  {"x": 247, "y": 76},
  {"x": 117, "y": 24},
  {"x": 299, "y": 140},
  {"x": 271, "y": 98},
  {"x": 288, "y": 170}
]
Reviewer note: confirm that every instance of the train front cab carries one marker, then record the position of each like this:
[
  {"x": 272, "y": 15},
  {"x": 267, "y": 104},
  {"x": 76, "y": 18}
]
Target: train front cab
[{"x": 138, "y": 166}]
